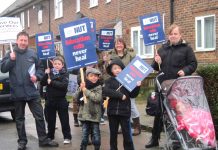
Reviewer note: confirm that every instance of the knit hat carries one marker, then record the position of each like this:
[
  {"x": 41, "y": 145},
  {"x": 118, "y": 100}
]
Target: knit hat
[
  {"x": 93, "y": 70},
  {"x": 115, "y": 61}
]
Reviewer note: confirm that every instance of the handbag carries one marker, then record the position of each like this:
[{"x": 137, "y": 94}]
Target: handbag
[{"x": 153, "y": 104}]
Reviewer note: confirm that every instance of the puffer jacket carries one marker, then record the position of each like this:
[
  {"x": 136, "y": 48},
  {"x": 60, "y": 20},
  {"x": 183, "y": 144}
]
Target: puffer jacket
[
  {"x": 117, "y": 106},
  {"x": 57, "y": 89},
  {"x": 91, "y": 111},
  {"x": 129, "y": 54},
  {"x": 175, "y": 58},
  {"x": 22, "y": 88}
]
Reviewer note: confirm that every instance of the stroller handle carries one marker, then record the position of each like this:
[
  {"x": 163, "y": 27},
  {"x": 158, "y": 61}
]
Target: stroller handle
[{"x": 157, "y": 81}]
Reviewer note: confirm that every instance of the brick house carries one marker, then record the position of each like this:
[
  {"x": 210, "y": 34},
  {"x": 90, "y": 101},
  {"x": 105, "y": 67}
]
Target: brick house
[{"x": 197, "y": 18}]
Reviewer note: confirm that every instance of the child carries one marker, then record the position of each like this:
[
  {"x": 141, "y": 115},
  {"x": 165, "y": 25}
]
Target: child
[
  {"x": 90, "y": 112},
  {"x": 119, "y": 106},
  {"x": 56, "y": 80}
]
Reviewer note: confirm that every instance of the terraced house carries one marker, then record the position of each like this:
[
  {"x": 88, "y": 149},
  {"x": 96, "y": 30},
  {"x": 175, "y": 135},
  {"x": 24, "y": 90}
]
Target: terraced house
[{"x": 198, "y": 19}]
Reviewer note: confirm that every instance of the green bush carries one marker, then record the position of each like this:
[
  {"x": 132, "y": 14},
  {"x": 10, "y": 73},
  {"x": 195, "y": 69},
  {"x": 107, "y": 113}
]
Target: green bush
[{"x": 210, "y": 75}]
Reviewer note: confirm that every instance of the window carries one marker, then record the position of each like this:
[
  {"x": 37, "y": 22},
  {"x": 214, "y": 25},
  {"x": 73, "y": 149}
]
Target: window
[
  {"x": 108, "y": 1},
  {"x": 22, "y": 20},
  {"x": 93, "y": 3},
  {"x": 205, "y": 33},
  {"x": 28, "y": 18},
  {"x": 58, "y": 8},
  {"x": 137, "y": 44},
  {"x": 39, "y": 16},
  {"x": 77, "y": 5}
]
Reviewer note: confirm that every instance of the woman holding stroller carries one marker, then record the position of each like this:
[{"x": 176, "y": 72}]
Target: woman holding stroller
[{"x": 175, "y": 58}]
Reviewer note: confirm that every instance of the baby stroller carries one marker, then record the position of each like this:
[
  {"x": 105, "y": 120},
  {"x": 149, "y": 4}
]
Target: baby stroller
[{"x": 186, "y": 115}]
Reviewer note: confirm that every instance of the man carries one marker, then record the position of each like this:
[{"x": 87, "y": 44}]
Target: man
[
  {"x": 176, "y": 59},
  {"x": 23, "y": 89}
]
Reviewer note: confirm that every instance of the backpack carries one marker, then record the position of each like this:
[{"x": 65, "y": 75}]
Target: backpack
[{"x": 153, "y": 104}]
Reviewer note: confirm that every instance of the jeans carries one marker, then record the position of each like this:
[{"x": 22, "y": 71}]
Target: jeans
[
  {"x": 124, "y": 121},
  {"x": 96, "y": 137},
  {"x": 60, "y": 106},
  {"x": 37, "y": 111}
]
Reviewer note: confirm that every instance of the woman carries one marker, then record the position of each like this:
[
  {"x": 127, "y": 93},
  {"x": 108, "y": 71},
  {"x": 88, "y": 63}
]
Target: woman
[{"x": 176, "y": 59}]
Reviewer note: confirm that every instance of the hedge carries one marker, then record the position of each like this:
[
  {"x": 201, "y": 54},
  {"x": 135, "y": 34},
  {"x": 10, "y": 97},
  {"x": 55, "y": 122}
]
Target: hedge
[{"x": 210, "y": 75}]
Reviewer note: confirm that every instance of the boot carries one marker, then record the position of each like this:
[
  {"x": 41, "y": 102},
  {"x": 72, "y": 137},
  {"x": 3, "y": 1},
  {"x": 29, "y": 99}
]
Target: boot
[
  {"x": 152, "y": 143},
  {"x": 97, "y": 147},
  {"x": 83, "y": 147},
  {"x": 136, "y": 126},
  {"x": 76, "y": 122}
]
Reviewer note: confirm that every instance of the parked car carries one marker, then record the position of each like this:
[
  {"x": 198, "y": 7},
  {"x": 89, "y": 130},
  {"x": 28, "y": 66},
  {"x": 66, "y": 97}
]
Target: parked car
[{"x": 6, "y": 104}]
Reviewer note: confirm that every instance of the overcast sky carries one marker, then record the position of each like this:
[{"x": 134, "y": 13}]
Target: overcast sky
[{"x": 5, "y": 4}]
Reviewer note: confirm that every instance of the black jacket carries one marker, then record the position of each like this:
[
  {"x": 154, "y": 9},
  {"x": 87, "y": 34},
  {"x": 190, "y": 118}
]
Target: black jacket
[
  {"x": 117, "y": 106},
  {"x": 175, "y": 58},
  {"x": 57, "y": 89},
  {"x": 22, "y": 88}
]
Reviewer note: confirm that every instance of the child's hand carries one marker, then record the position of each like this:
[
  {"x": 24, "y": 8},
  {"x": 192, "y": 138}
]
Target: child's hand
[
  {"x": 47, "y": 71},
  {"x": 124, "y": 97},
  {"x": 83, "y": 86},
  {"x": 139, "y": 83},
  {"x": 49, "y": 81}
]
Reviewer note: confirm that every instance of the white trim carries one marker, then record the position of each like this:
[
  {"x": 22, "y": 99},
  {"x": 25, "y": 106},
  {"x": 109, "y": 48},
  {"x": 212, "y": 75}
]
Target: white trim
[
  {"x": 108, "y": 1},
  {"x": 78, "y": 6},
  {"x": 145, "y": 56},
  {"x": 202, "y": 48},
  {"x": 58, "y": 9},
  {"x": 22, "y": 20},
  {"x": 40, "y": 12},
  {"x": 93, "y": 3},
  {"x": 28, "y": 18}
]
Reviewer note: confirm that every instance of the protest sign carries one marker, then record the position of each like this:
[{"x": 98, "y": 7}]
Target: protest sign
[
  {"x": 152, "y": 29},
  {"x": 135, "y": 71},
  {"x": 9, "y": 28},
  {"x": 45, "y": 45},
  {"x": 78, "y": 45},
  {"x": 106, "y": 39}
]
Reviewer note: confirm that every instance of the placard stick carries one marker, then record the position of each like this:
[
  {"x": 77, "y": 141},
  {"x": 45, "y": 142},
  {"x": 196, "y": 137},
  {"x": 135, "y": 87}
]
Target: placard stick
[
  {"x": 11, "y": 47},
  {"x": 155, "y": 48},
  {"x": 47, "y": 68},
  {"x": 105, "y": 104},
  {"x": 83, "y": 81}
]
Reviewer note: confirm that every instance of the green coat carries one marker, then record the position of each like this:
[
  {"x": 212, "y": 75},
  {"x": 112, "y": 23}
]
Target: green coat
[
  {"x": 129, "y": 54},
  {"x": 91, "y": 111}
]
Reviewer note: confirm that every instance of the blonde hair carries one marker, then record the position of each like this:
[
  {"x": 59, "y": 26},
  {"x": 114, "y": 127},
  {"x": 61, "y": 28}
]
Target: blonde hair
[
  {"x": 172, "y": 27},
  {"x": 59, "y": 58}
]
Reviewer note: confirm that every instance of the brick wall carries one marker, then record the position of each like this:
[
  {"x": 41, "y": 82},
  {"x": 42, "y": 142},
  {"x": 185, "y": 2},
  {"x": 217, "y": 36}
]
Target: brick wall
[{"x": 128, "y": 11}]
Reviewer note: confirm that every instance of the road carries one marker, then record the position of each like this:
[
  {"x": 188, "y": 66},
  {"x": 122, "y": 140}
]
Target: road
[{"x": 8, "y": 135}]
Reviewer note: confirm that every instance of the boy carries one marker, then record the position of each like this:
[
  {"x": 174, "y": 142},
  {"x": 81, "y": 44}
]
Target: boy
[
  {"x": 90, "y": 112},
  {"x": 119, "y": 106},
  {"x": 56, "y": 80}
]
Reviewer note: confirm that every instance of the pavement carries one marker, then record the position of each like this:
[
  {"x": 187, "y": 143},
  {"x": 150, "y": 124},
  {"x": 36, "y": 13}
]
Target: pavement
[{"x": 8, "y": 134}]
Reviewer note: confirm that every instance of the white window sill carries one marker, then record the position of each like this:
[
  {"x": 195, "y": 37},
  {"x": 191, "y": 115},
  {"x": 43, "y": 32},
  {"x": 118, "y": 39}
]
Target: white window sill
[
  {"x": 204, "y": 50},
  {"x": 58, "y": 17},
  {"x": 93, "y": 6}
]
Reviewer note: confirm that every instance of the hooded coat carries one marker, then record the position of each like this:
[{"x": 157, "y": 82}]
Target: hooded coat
[
  {"x": 175, "y": 58},
  {"x": 117, "y": 106}
]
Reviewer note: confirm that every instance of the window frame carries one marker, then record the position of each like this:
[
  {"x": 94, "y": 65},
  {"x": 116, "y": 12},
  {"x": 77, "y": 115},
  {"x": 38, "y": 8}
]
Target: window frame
[
  {"x": 202, "y": 20},
  {"x": 93, "y": 3},
  {"x": 78, "y": 5},
  {"x": 58, "y": 9},
  {"x": 108, "y": 1},
  {"x": 40, "y": 15},
  {"x": 22, "y": 19},
  {"x": 145, "y": 56},
  {"x": 28, "y": 18}
]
